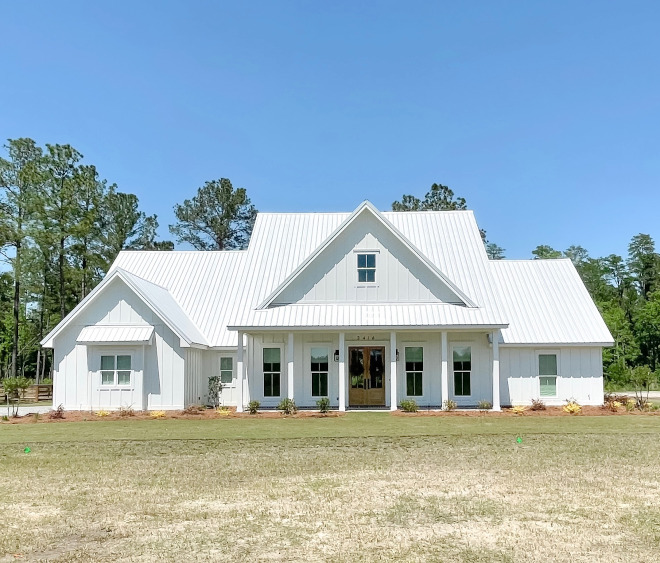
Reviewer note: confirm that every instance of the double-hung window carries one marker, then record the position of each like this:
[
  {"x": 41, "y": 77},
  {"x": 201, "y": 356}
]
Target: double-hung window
[
  {"x": 319, "y": 366},
  {"x": 226, "y": 370},
  {"x": 116, "y": 370},
  {"x": 272, "y": 372},
  {"x": 462, "y": 356},
  {"x": 414, "y": 370},
  {"x": 366, "y": 268},
  {"x": 548, "y": 375}
]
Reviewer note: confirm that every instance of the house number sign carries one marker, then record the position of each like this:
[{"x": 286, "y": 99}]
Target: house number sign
[{"x": 365, "y": 338}]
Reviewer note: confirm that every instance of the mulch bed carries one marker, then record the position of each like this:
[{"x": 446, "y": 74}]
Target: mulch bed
[
  {"x": 205, "y": 414},
  {"x": 210, "y": 414},
  {"x": 549, "y": 411}
]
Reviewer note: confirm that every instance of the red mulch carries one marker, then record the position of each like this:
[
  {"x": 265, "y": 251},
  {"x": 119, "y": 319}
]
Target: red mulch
[{"x": 207, "y": 414}]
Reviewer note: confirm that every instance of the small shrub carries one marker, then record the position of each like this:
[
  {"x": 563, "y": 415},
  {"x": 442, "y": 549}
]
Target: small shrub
[
  {"x": 5, "y": 418},
  {"x": 537, "y": 405},
  {"x": 215, "y": 388},
  {"x": 409, "y": 405},
  {"x": 611, "y": 397},
  {"x": 126, "y": 411},
  {"x": 484, "y": 405},
  {"x": 253, "y": 407},
  {"x": 572, "y": 407},
  {"x": 449, "y": 405},
  {"x": 56, "y": 414},
  {"x": 102, "y": 413},
  {"x": 518, "y": 410},
  {"x": 46, "y": 381},
  {"x": 630, "y": 405},
  {"x": 223, "y": 411},
  {"x": 194, "y": 409},
  {"x": 612, "y": 405},
  {"x": 323, "y": 405},
  {"x": 36, "y": 416},
  {"x": 157, "y": 414},
  {"x": 287, "y": 406}
]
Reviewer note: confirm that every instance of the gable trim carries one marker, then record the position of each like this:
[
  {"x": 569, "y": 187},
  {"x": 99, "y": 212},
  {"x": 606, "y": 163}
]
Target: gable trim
[
  {"x": 124, "y": 276},
  {"x": 365, "y": 205}
]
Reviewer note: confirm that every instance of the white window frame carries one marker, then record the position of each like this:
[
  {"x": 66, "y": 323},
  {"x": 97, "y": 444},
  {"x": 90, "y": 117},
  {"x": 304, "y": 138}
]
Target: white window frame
[
  {"x": 453, "y": 346},
  {"x": 311, "y": 373},
  {"x": 233, "y": 370},
  {"x": 402, "y": 360},
  {"x": 115, "y": 384},
  {"x": 358, "y": 268},
  {"x": 282, "y": 371},
  {"x": 538, "y": 353}
]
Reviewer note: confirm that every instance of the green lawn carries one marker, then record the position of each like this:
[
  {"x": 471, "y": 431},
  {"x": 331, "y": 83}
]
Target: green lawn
[{"x": 364, "y": 487}]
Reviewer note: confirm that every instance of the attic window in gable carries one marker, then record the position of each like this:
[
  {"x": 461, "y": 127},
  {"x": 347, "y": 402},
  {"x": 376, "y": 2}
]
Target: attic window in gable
[{"x": 366, "y": 267}]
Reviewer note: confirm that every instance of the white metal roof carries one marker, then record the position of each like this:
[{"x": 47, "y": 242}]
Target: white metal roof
[
  {"x": 400, "y": 315},
  {"x": 204, "y": 293},
  {"x": 99, "y": 334},
  {"x": 547, "y": 303}
]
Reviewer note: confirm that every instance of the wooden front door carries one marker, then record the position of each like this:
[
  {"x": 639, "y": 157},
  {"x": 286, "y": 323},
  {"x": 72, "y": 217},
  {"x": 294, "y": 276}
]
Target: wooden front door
[{"x": 366, "y": 373}]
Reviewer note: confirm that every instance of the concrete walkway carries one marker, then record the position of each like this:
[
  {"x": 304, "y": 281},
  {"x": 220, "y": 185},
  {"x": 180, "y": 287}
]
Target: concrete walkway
[{"x": 653, "y": 395}]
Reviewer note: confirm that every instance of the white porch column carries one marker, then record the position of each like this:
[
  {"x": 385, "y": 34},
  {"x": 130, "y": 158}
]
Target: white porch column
[
  {"x": 289, "y": 367},
  {"x": 496, "y": 370},
  {"x": 239, "y": 373},
  {"x": 394, "y": 404},
  {"x": 444, "y": 369},
  {"x": 342, "y": 372}
]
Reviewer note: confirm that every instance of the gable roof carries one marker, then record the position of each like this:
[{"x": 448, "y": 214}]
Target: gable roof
[
  {"x": 365, "y": 207},
  {"x": 157, "y": 298},
  {"x": 547, "y": 303}
]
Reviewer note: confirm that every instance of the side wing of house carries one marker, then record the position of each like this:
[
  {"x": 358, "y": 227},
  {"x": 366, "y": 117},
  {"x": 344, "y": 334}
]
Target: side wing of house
[
  {"x": 115, "y": 350},
  {"x": 552, "y": 349}
]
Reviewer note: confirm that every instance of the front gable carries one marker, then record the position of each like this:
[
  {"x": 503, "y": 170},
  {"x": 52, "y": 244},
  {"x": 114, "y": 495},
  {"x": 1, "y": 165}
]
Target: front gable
[{"x": 367, "y": 260}]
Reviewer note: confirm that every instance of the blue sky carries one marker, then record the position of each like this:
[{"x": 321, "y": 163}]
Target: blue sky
[{"x": 545, "y": 116}]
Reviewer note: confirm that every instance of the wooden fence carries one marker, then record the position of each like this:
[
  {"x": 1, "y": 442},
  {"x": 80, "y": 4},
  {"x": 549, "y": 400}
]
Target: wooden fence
[{"x": 33, "y": 394}]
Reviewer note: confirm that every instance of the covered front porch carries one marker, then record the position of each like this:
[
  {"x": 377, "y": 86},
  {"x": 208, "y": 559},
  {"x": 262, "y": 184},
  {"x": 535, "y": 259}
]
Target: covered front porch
[{"x": 368, "y": 368}]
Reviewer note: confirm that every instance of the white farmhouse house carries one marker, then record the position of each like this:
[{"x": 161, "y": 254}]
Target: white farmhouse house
[{"x": 365, "y": 308}]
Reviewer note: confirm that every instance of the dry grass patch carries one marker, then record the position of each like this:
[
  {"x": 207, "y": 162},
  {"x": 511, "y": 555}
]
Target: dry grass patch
[{"x": 471, "y": 496}]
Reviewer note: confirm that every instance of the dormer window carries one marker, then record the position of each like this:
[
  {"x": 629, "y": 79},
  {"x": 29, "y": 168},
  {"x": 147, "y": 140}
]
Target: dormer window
[{"x": 366, "y": 267}]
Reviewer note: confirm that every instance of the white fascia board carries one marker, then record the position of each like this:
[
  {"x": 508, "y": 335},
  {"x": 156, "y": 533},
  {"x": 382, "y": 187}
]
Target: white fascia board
[
  {"x": 365, "y": 205},
  {"x": 47, "y": 342}
]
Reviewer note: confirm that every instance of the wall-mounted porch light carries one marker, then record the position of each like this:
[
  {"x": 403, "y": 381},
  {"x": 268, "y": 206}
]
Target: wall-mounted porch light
[
  {"x": 336, "y": 355},
  {"x": 397, "y": 354}
]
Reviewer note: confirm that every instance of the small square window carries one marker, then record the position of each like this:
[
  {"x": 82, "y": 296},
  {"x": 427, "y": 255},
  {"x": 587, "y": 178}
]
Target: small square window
[
  {"x": 366, "y": 267},
  {"x": 116, "y": 370}
]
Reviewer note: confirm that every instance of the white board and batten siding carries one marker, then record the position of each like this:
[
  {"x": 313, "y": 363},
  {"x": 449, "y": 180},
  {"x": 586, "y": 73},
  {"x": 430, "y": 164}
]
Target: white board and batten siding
[
  {"x": 579, "y": 375},
  {"x": 400, "y": 276},
  {"x": 157, "y": 380}
]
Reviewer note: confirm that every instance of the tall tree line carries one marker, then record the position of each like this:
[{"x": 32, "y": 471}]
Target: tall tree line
[{"x": 61, "y": 226}]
